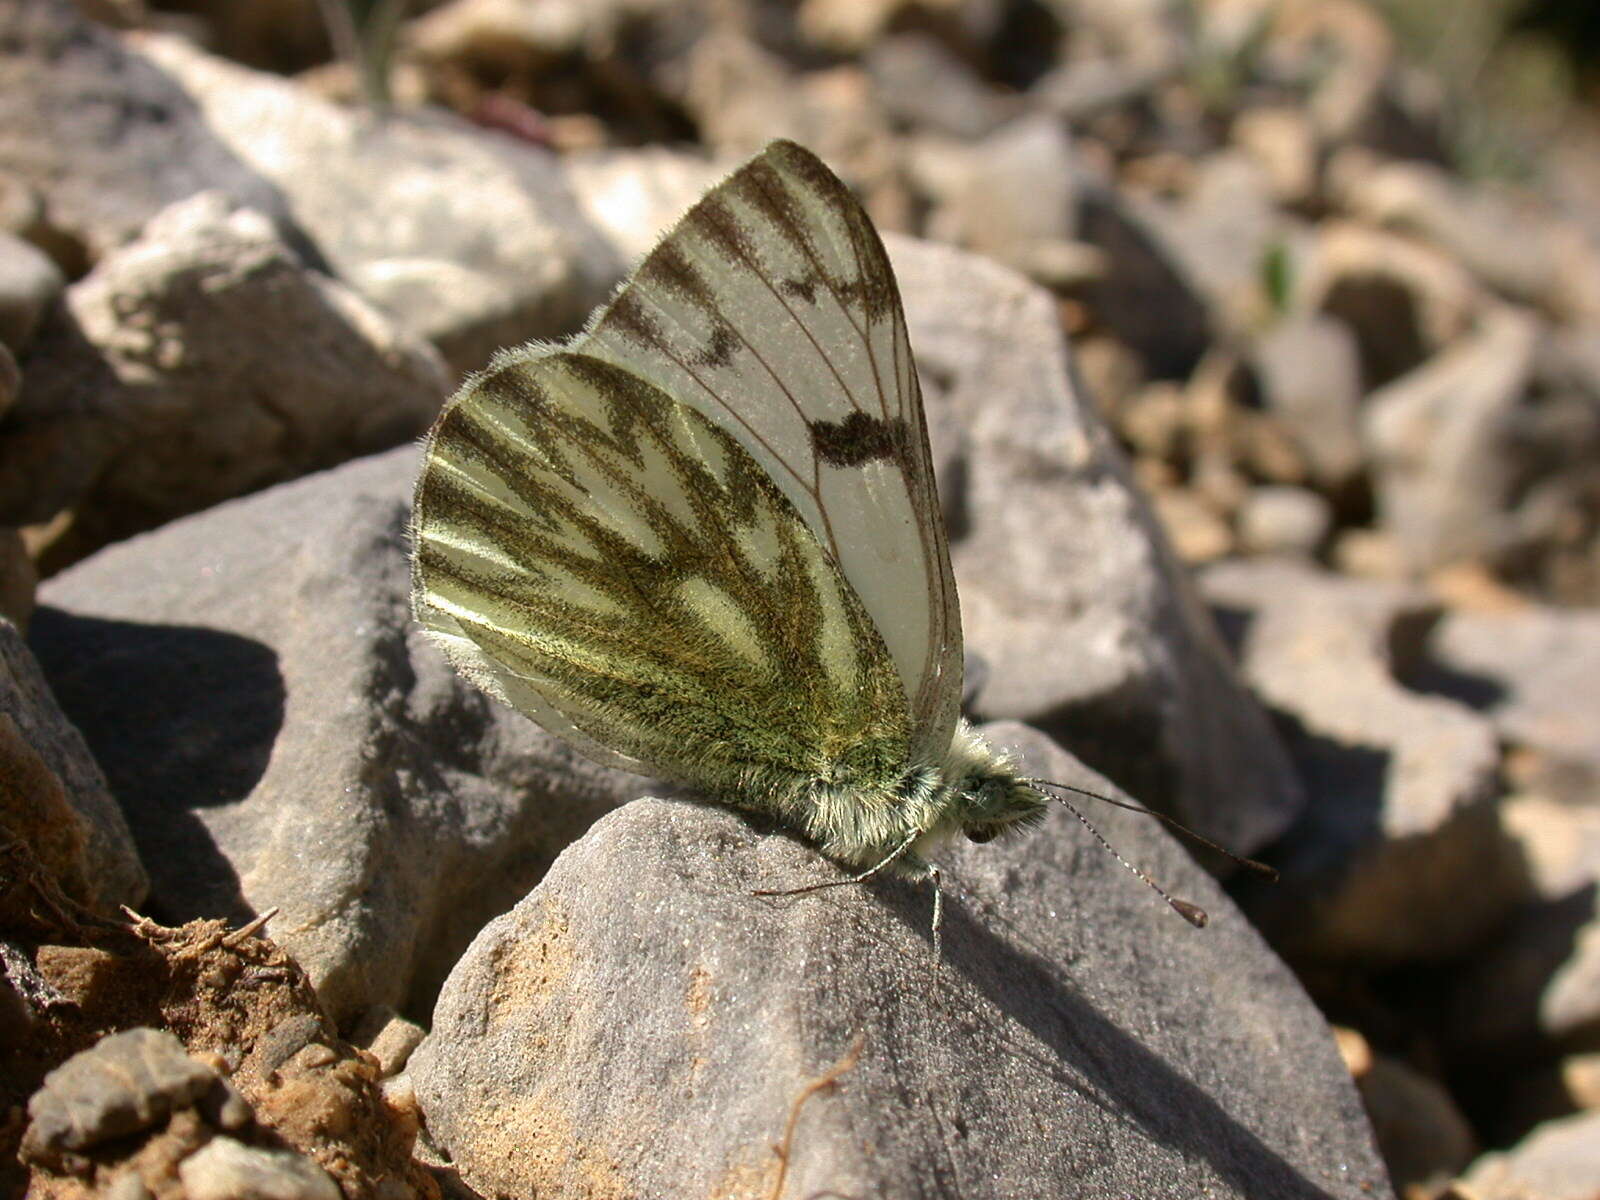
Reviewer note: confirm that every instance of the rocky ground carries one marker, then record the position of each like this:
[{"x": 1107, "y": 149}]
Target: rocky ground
[{"x": 1269, "y": 443}]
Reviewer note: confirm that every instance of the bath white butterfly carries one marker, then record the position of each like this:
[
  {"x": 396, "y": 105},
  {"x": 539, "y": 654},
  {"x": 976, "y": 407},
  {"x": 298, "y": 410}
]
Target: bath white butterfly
[{"x": 701, "y": 540}]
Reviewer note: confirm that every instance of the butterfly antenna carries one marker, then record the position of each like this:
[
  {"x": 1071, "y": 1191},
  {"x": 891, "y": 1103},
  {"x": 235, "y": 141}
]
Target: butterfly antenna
[
  {"x": 1270, "y": 874},
  {"x": 1191, "y": 913}
]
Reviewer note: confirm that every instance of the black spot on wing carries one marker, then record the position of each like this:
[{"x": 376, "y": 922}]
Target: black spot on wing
[
  {"x": 857, "y": 439},
  {"x": 718, "y": 352},
  {"x": 799, "y": 289}
]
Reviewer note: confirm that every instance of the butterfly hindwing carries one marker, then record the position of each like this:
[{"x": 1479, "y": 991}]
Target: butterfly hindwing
[{"x": 611, "y": 562}]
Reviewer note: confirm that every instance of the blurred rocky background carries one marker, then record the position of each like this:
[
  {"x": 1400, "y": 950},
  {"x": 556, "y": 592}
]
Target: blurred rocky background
[{"x": 1329, "y": 271}]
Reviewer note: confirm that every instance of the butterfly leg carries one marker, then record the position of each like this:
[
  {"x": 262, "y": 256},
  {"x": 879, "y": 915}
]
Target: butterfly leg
[{"x": 897, "y": 853}]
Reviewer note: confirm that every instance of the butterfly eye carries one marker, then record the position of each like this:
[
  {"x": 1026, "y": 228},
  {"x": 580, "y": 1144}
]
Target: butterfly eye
[{"x": 980, "y": 836}]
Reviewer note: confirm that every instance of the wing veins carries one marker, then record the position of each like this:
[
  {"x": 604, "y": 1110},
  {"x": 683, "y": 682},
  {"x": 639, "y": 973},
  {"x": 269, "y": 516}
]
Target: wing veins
[
  {"x": 934, "y": 576},
  {"x": 813, "y": 490},
  {"x": 824, "y": 275},
  {"x": 787, "y": 394},
  {"x": 777, "y": 295}
]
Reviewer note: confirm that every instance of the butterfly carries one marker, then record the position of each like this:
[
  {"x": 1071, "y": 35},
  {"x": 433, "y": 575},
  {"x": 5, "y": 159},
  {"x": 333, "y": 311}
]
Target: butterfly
[{"x": 701, "y": 540}]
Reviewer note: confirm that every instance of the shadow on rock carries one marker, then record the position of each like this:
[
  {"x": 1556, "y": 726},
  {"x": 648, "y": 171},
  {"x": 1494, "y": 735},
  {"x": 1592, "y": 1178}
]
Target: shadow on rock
[{"x": 180, "y": 718}]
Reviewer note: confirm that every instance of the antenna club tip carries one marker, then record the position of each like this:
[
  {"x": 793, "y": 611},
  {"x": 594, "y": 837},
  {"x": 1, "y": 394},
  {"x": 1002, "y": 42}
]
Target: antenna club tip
[
  {"x": 1270, "y": 874},
  {"x": 1191, "y": 913}
]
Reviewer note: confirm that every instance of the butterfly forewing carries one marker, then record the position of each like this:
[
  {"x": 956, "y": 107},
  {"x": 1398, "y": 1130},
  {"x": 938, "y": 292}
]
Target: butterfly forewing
[
  {"x": 771, "y": 307},
  {"x": 609, "y": 561}
]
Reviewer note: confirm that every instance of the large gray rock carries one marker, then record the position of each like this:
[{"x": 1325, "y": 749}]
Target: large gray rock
[
  {"x": 641, "y": 1025},
  {"x": 1399, "y": 856},
  {"x": 201, "y": 361}
]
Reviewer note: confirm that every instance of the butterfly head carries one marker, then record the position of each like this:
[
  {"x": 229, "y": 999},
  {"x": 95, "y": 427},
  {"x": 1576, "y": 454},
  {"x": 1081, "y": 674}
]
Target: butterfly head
[
  {"x": 997, "y": 804},
  {"x": 986, "y": 797}
]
